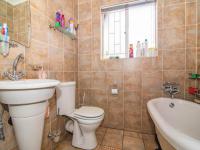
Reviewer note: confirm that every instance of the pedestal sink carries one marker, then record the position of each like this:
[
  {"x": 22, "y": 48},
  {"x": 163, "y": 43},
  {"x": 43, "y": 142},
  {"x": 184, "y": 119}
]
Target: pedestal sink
[{"x": 27, "y": 102}]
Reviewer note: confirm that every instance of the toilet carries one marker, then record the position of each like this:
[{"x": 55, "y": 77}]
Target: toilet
[{"x": 84, "y": 120}]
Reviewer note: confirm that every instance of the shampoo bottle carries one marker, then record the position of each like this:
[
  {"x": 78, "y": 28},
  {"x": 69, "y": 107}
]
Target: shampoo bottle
[
  {"x": 146, "y": 52},
  {"x": 42, "y": 74},
  {"x": 138, "y": 49}
]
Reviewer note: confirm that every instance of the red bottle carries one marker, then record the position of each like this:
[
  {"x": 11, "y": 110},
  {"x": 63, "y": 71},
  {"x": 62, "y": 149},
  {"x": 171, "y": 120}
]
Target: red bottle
[
  {"x": 192, "y": 90},
  {"x": 131, "y": 55},
  {"x": 63, "y": 21}
]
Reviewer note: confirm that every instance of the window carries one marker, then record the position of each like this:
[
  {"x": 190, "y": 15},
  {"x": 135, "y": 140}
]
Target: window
[{"x": 129, "y": 25}]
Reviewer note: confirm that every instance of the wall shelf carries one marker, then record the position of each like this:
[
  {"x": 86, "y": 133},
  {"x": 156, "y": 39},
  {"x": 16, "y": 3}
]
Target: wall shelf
[
  {"x": 62, "y": 30},
  {"x": 194, "y": 76},
  {"x": 11, "y": 44}
]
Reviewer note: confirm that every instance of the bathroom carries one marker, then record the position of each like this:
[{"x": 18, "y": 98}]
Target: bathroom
[{"x": 120, "y": 83}]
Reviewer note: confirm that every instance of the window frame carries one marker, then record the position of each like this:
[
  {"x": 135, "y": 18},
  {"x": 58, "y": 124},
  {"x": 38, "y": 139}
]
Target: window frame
[{"x": 126, "y": 6}]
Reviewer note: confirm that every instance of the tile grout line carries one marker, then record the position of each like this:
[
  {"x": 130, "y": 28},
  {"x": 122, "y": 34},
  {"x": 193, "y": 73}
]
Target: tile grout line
[
  {"x": 103, "y": 138},
  {"x": 122, "y": 140},
  {"x": 185, "y": 49},
  {"x": 196, "y": 44}
]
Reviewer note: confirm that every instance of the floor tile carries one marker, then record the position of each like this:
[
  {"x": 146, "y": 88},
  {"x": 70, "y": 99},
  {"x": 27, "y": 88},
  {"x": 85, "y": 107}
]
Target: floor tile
[
  {"x": 131, "y": 143},
  {"x": 101, "y": 130},
  {"x": 133, "y": 134},
  {"x": 108, "y": 148},
  {"x": 113, "y": 138},
  {"x": 149, "y": 142},
  {"x": 66, "y": 145},
  {"x": 114, "y": 131}
]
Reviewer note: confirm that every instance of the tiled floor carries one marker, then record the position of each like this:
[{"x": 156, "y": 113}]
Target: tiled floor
[{"x": 112, "y": 139}]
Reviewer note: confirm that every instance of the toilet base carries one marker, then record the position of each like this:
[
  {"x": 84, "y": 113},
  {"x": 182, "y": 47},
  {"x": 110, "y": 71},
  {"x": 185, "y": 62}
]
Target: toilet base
[{"x": 84, "y": 140}]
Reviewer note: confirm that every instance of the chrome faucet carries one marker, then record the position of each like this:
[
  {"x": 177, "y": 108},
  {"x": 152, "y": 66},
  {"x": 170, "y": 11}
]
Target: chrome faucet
[
  {"x": 171, "y": 88},
  {"x": 14, "y": 75}
]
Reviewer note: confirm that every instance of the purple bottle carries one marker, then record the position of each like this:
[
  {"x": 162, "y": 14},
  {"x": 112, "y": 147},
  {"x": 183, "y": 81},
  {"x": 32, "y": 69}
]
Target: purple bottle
[{"x": 58, "y": 18}]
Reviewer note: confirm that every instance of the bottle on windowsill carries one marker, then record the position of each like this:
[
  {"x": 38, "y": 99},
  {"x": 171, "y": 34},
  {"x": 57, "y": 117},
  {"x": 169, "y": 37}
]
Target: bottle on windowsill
[
  {"x": 131, "y": 54},
  {"x": 138, "y": 47}
]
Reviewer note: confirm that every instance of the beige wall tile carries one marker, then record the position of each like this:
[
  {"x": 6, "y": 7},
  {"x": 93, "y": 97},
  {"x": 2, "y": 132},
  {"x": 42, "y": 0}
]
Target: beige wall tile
[
  {"x": 132, "y": 65},
  {"x": 154, "y": 63},
  {"x": 85, "y": 29},
  {"x": 174, "y": 59},
  {"x": 69, "y": 76},
  {"x": 198, "y": 36},
  {"x": 174, "y": 15},
  {"x": 191, "y": 13},
  {"x": 56, "y": 75},
  {"x": 169, "y": 2},
  {"x": 85, "y": 11},
  {"x": 84, "y": 63},
  {"x": 99, "y": 98},
  {"x": 132, "y": 81},
  {"x": 114, "y": 65},
  {"x": 99, "y": 80},
  {"x": 97, "y": 63},
  {"x": 198, "y": 12},
  {"x": 69, "y": 61},
  {"x": 40, "y": 5},
  {"x": 85, "y": 46},
  {"x": 191, "y": 59},
  {"x": 173, "y": 38},
  {"x": 55, "y": 59},
  {"x": 115, "y": 111},
  {"x": 152, "y": 81},
  {"x": 84, "y": 80},
  {"x": 132, "y": 111},
  {"x": 191, "y": 36}
]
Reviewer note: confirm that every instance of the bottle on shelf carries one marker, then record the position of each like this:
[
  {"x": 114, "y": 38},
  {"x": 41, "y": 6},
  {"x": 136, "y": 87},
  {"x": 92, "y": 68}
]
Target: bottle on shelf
[{"x": 58, "y": 19}]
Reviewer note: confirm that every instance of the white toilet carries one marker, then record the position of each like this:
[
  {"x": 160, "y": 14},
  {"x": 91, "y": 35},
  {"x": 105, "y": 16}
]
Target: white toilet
[{"x": 85, "y": 120}]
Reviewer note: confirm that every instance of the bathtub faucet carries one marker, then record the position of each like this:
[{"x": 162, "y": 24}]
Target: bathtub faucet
[{"x": 171, "y": 88}]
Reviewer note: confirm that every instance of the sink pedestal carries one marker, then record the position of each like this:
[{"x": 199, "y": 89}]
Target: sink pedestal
[
  {"x": 27, "y": 101},
  {"x": 28, "y": 122}
]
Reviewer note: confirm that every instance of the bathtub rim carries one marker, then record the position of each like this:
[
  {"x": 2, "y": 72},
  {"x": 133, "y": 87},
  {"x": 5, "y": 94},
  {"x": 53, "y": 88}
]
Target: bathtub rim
[{"x": 177, "y": 139}]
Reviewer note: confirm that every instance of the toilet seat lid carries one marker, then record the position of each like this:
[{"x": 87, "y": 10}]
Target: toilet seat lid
[{"x": 89, "y": 112}]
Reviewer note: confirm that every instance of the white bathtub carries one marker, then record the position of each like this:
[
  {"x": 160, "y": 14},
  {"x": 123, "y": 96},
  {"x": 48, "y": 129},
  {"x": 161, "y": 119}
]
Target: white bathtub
[{"x": 180, "y": 125}]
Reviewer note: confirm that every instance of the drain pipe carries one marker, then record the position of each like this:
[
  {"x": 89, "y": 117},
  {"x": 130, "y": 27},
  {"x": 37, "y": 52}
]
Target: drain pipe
[{"x": 2, "y": 136}]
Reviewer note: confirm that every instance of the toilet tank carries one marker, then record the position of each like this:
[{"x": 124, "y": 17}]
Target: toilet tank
[{"x": 65, "y": 94}]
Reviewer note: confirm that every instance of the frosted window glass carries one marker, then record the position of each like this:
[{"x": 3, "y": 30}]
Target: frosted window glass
[
  {"x": 142, "y": 22},
  {"x": 113, "y": 34}
]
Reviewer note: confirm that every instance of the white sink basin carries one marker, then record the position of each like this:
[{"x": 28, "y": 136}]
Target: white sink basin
[
  {"x": 26, "y": 91},
  {"x": 27, "y": 102},
  {"x": 27, "y": 84}
]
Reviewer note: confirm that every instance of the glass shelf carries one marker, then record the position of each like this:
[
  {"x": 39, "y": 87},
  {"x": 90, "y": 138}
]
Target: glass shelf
[
  {"x": 11, "y": 44},
  {"x": 64, "y": 31},
  {"x": 194, "y": 76}
]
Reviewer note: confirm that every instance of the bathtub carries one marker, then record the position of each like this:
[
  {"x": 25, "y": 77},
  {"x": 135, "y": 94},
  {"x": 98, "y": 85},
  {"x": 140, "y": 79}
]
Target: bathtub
[{"x": 177, "y": 123}]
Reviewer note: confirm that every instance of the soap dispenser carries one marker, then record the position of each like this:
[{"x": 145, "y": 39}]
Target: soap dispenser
[{"x": 42, "y": 74}]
